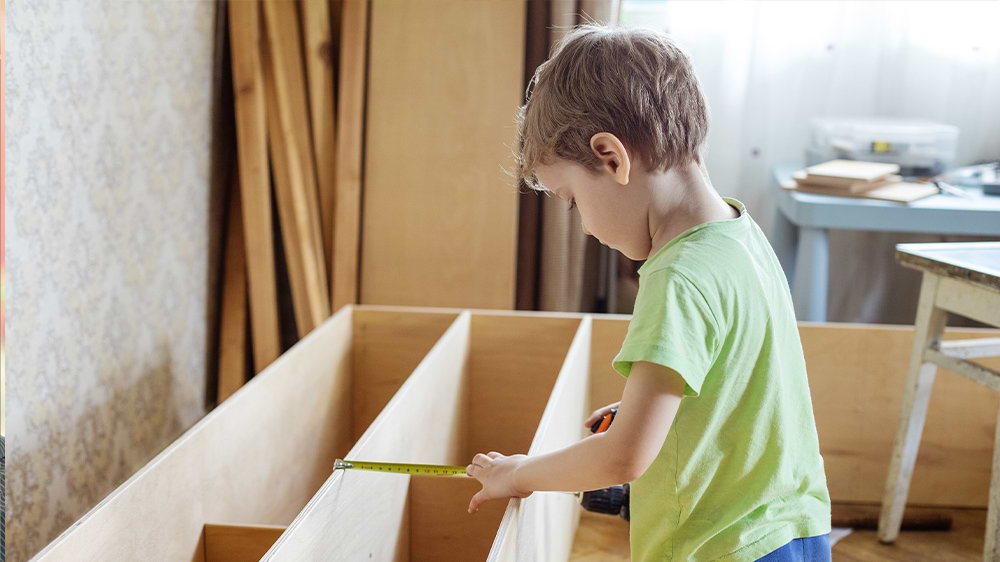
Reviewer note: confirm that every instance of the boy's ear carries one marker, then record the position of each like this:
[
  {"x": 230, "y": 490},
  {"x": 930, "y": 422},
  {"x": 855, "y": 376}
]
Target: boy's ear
[{"x": 614, "y": 158}]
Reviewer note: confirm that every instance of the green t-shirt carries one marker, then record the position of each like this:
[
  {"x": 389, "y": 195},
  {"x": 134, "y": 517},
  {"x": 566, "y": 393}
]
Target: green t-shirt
[{"x": 739, "y": 474}]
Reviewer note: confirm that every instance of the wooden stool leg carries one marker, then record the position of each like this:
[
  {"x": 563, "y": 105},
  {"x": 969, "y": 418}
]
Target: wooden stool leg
[
  {"x": 991, "y": 549},
  {"x": 920, "y": 379}
]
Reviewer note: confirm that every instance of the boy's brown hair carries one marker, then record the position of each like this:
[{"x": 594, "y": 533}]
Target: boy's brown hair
[{"x": 634, "y": 83}]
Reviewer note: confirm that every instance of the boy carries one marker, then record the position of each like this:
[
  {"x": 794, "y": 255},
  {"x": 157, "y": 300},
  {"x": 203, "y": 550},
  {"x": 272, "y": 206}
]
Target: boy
[{"x": 715, "y": 428}]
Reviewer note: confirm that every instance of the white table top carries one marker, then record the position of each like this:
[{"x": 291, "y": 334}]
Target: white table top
[{"x": 940, "y": 214}]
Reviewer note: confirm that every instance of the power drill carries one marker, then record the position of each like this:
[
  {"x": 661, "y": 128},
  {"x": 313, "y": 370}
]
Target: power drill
[{"x": 613, "y": 500}]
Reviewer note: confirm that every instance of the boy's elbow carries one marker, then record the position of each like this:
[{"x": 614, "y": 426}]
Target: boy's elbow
[{"x": 627, "y": 468}]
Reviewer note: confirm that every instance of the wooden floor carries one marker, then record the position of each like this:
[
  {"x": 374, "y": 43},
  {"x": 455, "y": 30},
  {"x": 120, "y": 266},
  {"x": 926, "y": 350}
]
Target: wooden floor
[{"x": 605, "y": 538}]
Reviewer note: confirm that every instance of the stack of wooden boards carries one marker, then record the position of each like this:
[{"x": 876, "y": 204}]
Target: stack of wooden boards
[
  {"x": 851, "y": 178},
  {"x": 253, "y": 479},
  {"x": 417, "y": 116},
  {"x": 289, "y": 131}
]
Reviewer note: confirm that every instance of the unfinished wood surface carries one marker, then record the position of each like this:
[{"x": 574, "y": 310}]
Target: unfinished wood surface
[
  {"x": 544, "y": 524},
  {"x": 319, "y": 56},
  {"x": 857, "y": 374},
  {"x": 440, "y": 525},
  {"x": 237, "y": 465},
  {"x": 421, "y": 424},
  {"x": 606, "y": 385},
  {"x": 514, "y": 364},
  {"x": 601, "y": 538},
  {"x": 295, "y": 184},
  {"x": 444, "y": 86},
  {"x": 232, "y": 332},
  {"x": 255, "y": 183},
  {"x": 349, "y": 153},
  {"x": 239, "y": 543},
  {"x": 389, "y": 344},
  {"x": 963, "y": 543}
]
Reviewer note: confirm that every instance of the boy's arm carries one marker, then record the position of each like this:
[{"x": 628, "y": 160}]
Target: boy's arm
[{"x": 621, "y": 454}]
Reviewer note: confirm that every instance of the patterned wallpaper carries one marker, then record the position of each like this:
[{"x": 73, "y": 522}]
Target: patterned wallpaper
[{"x": 108, "y": 109}]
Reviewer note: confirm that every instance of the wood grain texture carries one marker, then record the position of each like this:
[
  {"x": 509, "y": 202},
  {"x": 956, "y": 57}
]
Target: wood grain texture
[
  {"x": 359, "y": 515},
  {"x": 239, "y": 543},
  {"x": 255, "y": 184},
  {"x": 514, "y": 364},
  {"x": 320, "y": 52},
  {"x": 963, "y": 543},
  {"x": 857, "y": 375},
  {"x": 440, "y": 525},
  {"x": 606, "y": 385},
  {"x": 388, "y": 347},
  {"x": 440, "y": 215},
  {"x": 601, "y": 538},
  {"x": 236, "y": 465},
  {"x": 295, "y": 170},
  {"x": 349, "y": 152},
  {"x": 543, "y": 525},
  {"x": 232, "y": 332}
]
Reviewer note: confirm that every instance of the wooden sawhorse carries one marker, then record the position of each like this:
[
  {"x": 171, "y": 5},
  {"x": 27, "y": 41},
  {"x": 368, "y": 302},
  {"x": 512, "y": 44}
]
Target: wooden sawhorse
[{"x": 962, "y": 278}]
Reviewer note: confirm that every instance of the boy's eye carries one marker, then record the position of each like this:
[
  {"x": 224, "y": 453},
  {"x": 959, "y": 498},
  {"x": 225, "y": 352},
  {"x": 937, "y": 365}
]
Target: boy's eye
[{"x": 572, "y": 204}]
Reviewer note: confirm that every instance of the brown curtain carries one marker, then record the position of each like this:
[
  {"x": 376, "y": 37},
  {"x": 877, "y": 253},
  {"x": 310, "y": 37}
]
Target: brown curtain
[{"x": 559, "y": 267}]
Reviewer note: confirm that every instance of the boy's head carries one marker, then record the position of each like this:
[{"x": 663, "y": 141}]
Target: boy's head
[{"x": 610, "y": 107}]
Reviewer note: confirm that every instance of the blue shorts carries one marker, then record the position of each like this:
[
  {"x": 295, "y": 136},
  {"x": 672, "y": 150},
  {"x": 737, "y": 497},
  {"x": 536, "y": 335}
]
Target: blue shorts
[{"x": 809, "y": 549}]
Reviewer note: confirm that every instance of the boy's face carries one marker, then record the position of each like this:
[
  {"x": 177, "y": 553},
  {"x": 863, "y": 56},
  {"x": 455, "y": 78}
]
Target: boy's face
[{"x": 613, "y": 212}]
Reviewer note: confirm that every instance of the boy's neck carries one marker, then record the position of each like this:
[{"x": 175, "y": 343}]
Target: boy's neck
[{"x": 680, "y": 199}]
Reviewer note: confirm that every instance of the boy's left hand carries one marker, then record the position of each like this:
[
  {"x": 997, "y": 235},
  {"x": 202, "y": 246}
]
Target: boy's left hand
[{"x": 496, "y": 473}]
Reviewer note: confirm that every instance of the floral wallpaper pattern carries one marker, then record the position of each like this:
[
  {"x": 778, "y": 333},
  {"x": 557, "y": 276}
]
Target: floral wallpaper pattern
[{"x": 108, "y": 116}]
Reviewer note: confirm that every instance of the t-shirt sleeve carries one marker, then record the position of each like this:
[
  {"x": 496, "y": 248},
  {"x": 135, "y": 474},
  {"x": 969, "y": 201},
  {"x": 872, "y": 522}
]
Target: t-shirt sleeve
[{"x": 672, "y": 325}]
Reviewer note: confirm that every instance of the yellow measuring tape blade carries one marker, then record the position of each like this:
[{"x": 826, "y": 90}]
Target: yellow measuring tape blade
[{"x": 401, "y": 468}]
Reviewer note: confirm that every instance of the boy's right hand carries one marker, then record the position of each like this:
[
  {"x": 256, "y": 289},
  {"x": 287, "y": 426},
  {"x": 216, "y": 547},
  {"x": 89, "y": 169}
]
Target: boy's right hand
[{"x": 600, "y": 413}]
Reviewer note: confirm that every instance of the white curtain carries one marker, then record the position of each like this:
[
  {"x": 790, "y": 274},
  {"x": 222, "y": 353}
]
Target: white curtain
[{"x": 768, "y": 67}]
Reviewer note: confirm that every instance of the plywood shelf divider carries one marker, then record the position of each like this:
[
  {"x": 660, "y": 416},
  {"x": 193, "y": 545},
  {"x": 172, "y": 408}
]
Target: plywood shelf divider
[
  {"x": 239, "y": 543},
  {"x": 422, "y": 423},
  {"x": 542, "y": 526}
]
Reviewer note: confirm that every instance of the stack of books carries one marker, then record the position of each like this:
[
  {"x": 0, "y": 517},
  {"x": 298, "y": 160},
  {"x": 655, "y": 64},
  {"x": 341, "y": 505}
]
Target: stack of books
[{"x": 852, "y": 178}]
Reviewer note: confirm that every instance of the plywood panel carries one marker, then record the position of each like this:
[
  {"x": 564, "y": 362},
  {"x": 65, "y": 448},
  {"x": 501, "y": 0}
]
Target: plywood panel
[
  {"x": 606, "y": 385},
  {"x": 542, "y": 526},
  {"x": 440, "y": 216},
  {"x": 856, "y": 376},
  {"x": 421, "y": 424},
  {"x": 234, "y": 465},
  {"x": 258, "y": 458},
  {"x": 239, "y": 543},
  {"x": 389, "y": 344},
  {"x": 514, "y": 364},
  {"x": 440, "y": 525}
]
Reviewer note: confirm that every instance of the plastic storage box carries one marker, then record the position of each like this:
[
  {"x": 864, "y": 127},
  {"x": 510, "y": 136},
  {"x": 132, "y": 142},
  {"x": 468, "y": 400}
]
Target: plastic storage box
[{"x": 921, "y": 148}]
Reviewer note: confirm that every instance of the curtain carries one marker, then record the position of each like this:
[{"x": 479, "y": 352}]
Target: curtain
[
  {"x": 558, "y": 265},
  {"x": 768, "y": 67}
]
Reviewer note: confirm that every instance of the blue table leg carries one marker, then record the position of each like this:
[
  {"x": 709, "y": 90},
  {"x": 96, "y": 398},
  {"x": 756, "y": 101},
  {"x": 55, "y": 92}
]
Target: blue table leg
[
  {"x": 811, "y": 271},
  {"x": 785, "y": 240}
]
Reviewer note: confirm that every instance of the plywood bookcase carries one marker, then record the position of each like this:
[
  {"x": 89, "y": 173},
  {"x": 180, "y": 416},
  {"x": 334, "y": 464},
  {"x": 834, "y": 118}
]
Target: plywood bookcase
[{"x": 253, "y": 479}]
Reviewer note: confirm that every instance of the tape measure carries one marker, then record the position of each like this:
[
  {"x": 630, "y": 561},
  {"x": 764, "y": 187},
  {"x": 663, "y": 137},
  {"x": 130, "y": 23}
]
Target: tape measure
[{"x": 402, "y": 468}]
